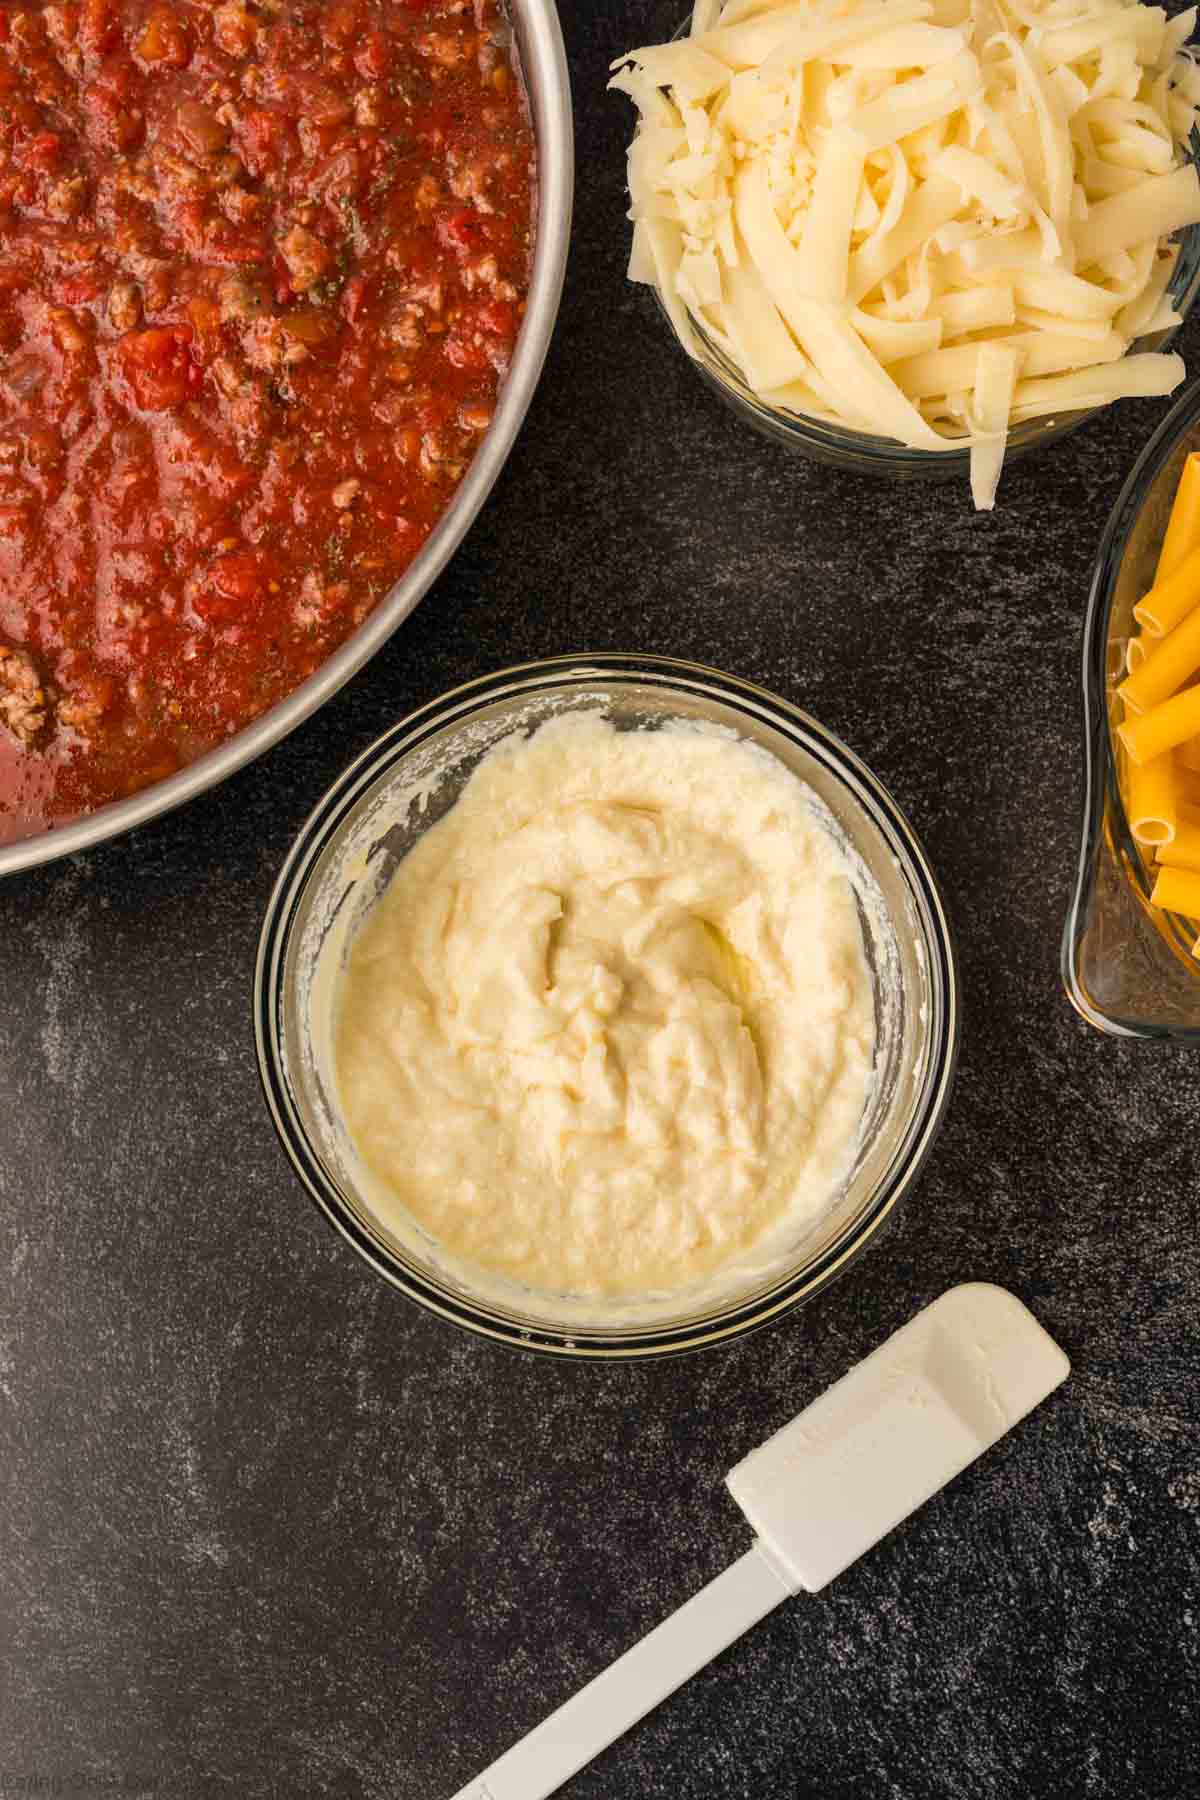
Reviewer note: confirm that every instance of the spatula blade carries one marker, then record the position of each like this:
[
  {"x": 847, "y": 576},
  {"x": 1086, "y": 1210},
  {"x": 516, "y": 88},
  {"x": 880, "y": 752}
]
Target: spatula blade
[{"x": 887, "y": 1436}]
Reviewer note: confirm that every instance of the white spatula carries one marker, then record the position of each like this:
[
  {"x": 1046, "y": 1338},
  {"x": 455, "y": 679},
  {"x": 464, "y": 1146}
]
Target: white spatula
[{"x": 822, "y": 1491}]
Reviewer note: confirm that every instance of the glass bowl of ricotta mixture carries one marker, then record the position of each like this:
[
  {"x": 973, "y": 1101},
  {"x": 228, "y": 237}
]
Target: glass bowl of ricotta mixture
[{"x": 607, "y": 1006}]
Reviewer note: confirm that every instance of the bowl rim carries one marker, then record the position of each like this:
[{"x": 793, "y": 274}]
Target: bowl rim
[
  {"x": 548, "y": 88},
  {"x": 1101, "y": 789},
  {"x": 565, "y": 672}
]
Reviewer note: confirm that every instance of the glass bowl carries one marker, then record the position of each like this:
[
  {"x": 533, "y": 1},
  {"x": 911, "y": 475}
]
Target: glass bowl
[
  {"x": 843, "y": 448},
  {"x": 1127, "y": 966},
  {"x": 344, "y": 857}
]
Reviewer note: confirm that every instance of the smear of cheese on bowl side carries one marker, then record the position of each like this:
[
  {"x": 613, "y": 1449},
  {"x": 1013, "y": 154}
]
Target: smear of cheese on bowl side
[{"x": 925, "y": 220}]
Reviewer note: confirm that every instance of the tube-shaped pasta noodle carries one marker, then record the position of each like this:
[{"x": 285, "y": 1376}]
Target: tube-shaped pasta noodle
[
  {"x": 1183, "y": 527},
  {"x": 1152, "y": 800},
  {"x": 1177, "y": 891},
  {"x": 1187, "y": 794},
  {"x": 1173, "y": 660},
  {"x": 1172, "y": 599},
  {"x": 1172, "y": 723},
  {"x": 1136, "y": 652},
  {"x": 1188, "y": 755},
  {"x": 1183, "y": 851}
]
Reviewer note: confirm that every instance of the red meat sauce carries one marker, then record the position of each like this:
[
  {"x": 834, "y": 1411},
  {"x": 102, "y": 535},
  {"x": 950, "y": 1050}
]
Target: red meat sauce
[{"x": 262, "y": 268}]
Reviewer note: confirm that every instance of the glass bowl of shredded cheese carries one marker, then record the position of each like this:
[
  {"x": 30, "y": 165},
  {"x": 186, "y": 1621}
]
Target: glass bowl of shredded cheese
[
  {"x": 1129, "y": 954},
  {"x": 914, "y": 236},
  {"x": 382, "y": 813}
]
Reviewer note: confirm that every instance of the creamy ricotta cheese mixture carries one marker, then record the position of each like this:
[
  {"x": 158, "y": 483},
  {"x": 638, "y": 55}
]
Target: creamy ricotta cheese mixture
[{"x": 611, "y": 1022}]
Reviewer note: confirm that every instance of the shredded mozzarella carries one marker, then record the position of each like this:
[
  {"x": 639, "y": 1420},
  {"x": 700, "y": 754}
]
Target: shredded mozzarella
[{"x": 928, "y": 219}]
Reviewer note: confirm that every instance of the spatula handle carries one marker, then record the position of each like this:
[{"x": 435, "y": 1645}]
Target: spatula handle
[{"x": 662, "y": 1661}]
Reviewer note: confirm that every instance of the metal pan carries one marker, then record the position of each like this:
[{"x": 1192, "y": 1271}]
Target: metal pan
[{"x": 543, "y": 61}]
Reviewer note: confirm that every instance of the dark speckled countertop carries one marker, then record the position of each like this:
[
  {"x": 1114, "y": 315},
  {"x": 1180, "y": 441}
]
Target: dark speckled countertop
[{"x": 266, "y": 1529}]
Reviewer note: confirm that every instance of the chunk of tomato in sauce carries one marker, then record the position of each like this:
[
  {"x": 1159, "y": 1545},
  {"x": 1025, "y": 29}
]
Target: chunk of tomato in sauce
[
  {"x": 164, "y": 40},
  {"x": 463, "y": 230},
  {"x": 99, "y": 26},
  {"x": 158, "y": 366},
  {"x": 263, "y": 138},
  {"x": 78, "y": 290},
  {"x": 234, "y": 586},
  {"x": 42, "y": 151},
  {"x": 373, "y": 58}
]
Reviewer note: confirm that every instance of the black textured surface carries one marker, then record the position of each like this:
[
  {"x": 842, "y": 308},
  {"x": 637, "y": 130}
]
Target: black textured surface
[{"x": 268, "y": 1530}]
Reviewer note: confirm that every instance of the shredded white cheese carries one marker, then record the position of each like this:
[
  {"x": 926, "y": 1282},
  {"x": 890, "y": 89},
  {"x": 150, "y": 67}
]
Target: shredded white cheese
[{"x": 855, "y": 199}]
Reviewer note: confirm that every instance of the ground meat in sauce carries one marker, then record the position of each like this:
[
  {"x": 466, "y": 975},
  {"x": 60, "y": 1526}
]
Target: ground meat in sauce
[
  {"x": 262, "y": 268},
  {"x": 23, "y": 699}
]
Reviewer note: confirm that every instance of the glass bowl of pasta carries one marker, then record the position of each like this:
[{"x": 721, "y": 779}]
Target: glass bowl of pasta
[
  {"x": 1129, "y": 953},
  {"x": 916, "y": 240}
]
